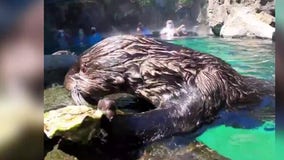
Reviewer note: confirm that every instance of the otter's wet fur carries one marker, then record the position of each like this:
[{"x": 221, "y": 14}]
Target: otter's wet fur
[{"x": 187, "y": 87}]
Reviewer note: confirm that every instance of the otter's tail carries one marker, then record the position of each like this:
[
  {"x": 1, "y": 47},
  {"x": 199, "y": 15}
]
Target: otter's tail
[{"x": 262, "y": 87}]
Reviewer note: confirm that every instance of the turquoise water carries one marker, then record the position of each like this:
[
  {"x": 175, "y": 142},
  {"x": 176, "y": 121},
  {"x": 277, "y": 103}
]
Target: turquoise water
[
  {"x": 250, "y": 57},
  {"x": 241, "y": 144}
]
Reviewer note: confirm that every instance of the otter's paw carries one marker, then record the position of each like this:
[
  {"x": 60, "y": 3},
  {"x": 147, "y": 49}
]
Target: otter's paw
[{"x": 107, "y": 106}]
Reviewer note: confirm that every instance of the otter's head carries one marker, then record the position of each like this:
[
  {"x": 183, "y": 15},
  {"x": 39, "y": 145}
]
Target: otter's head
[
  {"x": 99, "y": 72},
  {"x": 92, "y": 86}
]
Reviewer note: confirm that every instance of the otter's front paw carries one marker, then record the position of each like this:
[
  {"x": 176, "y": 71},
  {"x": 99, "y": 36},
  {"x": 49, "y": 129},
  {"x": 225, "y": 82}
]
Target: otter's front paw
[{"x": 108, "y": 107}]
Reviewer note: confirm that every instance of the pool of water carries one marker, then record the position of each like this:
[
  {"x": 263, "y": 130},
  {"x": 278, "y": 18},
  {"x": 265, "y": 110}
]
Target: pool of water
[
  {"x": 251, "y": 57},
  {"x": 242, "y": 136}
]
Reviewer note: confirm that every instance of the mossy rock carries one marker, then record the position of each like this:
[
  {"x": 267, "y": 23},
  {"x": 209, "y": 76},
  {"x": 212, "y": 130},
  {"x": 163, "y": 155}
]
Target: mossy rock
[
  {"x": 57, "y": 154},
  {"x": 56, "y": 97},
  {"x": 74, "y": 123}
]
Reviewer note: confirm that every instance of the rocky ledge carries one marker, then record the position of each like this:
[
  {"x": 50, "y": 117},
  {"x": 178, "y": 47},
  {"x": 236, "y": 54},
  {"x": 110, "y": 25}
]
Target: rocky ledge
[{"x": 242, "y": 18}]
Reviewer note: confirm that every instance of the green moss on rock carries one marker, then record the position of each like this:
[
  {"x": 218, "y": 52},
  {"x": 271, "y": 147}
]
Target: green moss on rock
[{"x": 57, "y": 154}]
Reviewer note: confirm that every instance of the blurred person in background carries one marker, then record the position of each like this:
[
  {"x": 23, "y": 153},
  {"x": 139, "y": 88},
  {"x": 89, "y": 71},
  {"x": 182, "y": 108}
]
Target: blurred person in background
[
  {"x": 170, "y": 31},
  {"x": 95, "y": 36},
  {"x": 62, "y": 39},
  {"x": 80, "y": 39},
  {"x": 21, "y": 54},
  {"x": 21, "y": 76},
  {"x": 142, "y": 30}
]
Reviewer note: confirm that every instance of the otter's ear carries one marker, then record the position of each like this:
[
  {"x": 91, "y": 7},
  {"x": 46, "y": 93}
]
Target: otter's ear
[{"x": 118, "y": 80}]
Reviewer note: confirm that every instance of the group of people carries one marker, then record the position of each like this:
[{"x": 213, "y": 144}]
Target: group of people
[
  {"x": 169, "y": 31},
  {"x": 80, "y": 40}
]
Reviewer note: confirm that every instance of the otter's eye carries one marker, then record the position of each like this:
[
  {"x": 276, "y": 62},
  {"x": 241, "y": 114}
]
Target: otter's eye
[
  {"x": 84, "y": 70},
  {"x": 116, "y": 80}
]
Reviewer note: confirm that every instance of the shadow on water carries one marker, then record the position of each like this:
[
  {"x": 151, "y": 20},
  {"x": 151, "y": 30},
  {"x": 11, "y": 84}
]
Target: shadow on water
[{"x": 252, "y": 117}]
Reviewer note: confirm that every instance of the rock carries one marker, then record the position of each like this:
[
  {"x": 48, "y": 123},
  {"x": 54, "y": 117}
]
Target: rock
[
  {"x": 52, "y": 62},
  {"x": 266, "y": 18},
  {"x": 56, "y": 97},
  {"x": 217, "y": 13},
  {"x": 197, "y": 12},
  {"x": 74, "y": 123},
  {"x": 269, "y": 126},
  {"x": 244, "y": 23},
  {"x": 268, "y": 6},
  {"x": 58, "y": 154},
  {"x": 217, "y": 29},
  {"x": 56, "y": 66},
  {"x": 128, "y": 104},
  {"x": 194, "y": 151},
  {"x": 261, "y": 12},
  {"x": 123, "y": 100},
  {"x": 63, "y": 52}
]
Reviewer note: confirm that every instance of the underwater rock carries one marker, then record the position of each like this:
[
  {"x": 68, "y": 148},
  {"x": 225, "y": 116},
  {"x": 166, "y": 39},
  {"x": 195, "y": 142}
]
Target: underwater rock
[
  {"x": 56, "y": 66},
  {"x": 74, "y": 123},
  {"x": 194, "y": 151},
  {"x": 269, "y": 126},
  {"x": 52, "y": 62}
]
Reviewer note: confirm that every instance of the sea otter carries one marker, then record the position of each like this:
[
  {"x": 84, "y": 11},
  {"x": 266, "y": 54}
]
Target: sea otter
[{"x": 186, "y": 87}]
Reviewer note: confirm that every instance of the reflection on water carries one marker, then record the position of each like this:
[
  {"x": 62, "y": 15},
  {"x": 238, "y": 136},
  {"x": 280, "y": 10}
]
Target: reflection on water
[{"x": 250, "y": 57}]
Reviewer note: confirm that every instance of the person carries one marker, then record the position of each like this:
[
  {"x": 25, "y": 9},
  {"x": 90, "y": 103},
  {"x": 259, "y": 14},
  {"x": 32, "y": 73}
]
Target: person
[
  {"x": 142, "y": 30},
  {"x": 61, "y": 38},
  {"x": 95, "y": 37},
  {"x": 80, "y": 40},
  {"x": 181, "y": 31},
  {"x": 170, "y": 31}
]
